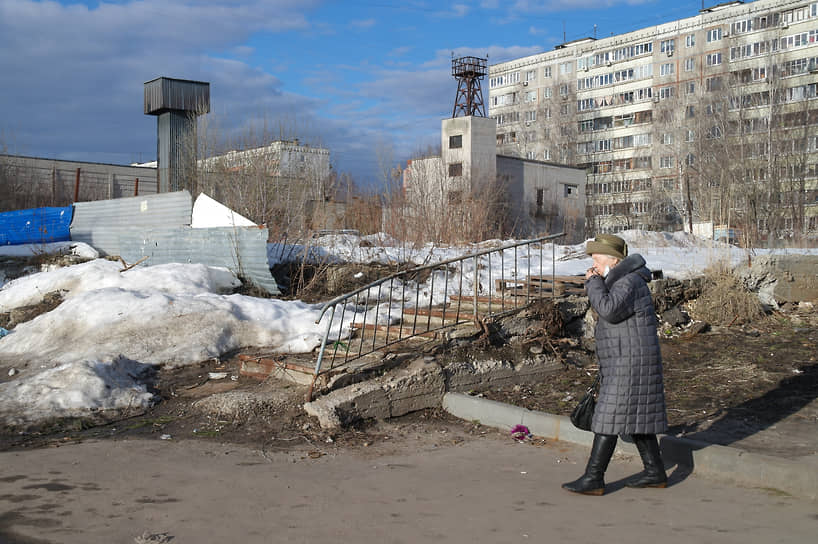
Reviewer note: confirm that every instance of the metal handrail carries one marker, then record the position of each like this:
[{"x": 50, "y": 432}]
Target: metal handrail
[{"x": 403, "y": 330}]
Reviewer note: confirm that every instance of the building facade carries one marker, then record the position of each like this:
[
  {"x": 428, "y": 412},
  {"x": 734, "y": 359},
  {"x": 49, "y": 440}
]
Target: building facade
[
  {"x": 711, "y": 119},
  {"x": 469, "y": 183}
]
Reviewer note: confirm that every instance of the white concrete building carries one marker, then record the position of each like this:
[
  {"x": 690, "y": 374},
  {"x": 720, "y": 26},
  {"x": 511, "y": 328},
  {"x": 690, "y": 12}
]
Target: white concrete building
[{"x": 538, "y": 197}]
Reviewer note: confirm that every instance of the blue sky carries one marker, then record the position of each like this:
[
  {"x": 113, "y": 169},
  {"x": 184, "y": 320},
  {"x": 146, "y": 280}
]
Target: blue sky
[{"x": 370, "y": 80}]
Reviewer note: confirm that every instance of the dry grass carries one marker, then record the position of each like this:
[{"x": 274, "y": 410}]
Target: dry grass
[{"x": 725, "y": 300}]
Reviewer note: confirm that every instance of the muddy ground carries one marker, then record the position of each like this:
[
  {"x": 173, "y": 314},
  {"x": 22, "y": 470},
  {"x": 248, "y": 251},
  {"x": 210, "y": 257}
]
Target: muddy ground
[
  {"x": 736, "y": 379},
  {"x": 729, "y": 381}
]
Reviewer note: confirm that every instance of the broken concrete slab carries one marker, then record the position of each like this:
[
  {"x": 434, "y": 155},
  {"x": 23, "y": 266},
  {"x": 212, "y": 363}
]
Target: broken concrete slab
[
  {"x": 419, "y": 385},
  {"x": 782, "y": 278},
  {"x": 482, "y": 374}
]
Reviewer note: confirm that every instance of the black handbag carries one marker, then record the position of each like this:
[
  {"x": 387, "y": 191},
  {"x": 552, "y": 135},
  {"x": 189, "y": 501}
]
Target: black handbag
[{"x": 583, "y": 413}]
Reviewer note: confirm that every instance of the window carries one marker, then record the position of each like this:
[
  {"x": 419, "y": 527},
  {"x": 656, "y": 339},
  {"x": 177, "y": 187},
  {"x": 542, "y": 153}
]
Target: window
[
  {"x": 531, "y": 75},
  {"x": 546, "y": 155},
  {"x": 690, "y": 87},
  {"x": 546, "y": 93},
  {"x": 690, "y": 160},
  {"x": 665, "y": 92},
  {"x": 690, "y": 112},
  {"x": 565, "y": 109},
  {"x": 530, "y": 96},
  {"x": 666, "y": 69},
  {"x": 666, "y": 161},
  {"x": 690, "y": 40},
  {"x": 531, "y": 155},
  {"x": 565, "y": 68},
  {"x": 690, "y": 64},
  {"x": 713, "y": 35},
  {"x": 667, "y": 138},
  {"x": 667, "y": 46},
  {"x": 530, "y": 116},
  {"x": 455, "y": 169},
  {"x": 571, "y": 191},
  {"x": 456, "y": 142},
  {"x": 713, "y": 59},
  {"x": 546, "y": 72},
  {"x": 565, "y": 88},
  {"x": 713, "y": 84}
]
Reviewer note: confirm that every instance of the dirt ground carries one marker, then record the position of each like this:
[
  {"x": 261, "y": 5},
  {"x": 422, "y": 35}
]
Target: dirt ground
[
  {"x": 723, "y": 385},
  {"x": 729, "y": 382}
]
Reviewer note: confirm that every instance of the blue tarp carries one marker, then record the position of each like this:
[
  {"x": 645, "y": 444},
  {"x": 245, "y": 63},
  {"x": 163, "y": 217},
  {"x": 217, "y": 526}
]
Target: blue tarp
[{"x": 35, "y": 226}]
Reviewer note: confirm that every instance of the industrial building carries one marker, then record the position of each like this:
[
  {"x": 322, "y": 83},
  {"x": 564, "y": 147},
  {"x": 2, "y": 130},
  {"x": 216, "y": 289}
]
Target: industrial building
[
  {"x": 709, "y": 120},
  {"x": 527, "y": 197}
]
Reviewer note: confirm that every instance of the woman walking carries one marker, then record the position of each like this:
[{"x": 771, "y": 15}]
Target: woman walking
[{"x": 631, "y": 399}]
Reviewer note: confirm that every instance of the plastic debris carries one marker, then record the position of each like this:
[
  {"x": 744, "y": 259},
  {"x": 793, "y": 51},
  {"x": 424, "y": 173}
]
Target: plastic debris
[{"x": 520, "y": 432}]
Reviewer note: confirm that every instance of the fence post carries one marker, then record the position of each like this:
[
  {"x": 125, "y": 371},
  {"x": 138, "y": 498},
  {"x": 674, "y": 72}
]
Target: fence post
[
  {"x": 77, "y": 186},
  {"x": 476, "y": 282},
  {"x": 54, "y": 185},
  {"x": 136, "y": 187}
]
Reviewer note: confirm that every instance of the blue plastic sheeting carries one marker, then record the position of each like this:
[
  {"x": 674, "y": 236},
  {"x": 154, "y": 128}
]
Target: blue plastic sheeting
[{"x": 35, "y": 226}]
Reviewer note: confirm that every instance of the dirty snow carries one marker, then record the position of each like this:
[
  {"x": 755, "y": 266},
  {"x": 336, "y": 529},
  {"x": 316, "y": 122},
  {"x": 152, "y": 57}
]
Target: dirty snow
[{"x": 90, "y": 353}]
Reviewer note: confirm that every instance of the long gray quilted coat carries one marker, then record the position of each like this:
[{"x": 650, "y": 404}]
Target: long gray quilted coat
[{"x": 632, "y": 396}]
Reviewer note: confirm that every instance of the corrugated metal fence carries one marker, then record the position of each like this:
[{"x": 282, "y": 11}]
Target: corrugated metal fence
[
  {"x": 101, "y": 223},
  {"x": 153, "y": 226},
  {"x": 30, "y": 182}
]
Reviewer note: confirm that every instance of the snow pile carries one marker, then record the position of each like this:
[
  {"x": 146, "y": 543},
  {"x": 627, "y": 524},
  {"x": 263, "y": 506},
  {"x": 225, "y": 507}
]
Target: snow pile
[
  {"x": 79, "y": 249},
  {"x": 74, "y": 390},
  {"x": 161, "y": 315}
]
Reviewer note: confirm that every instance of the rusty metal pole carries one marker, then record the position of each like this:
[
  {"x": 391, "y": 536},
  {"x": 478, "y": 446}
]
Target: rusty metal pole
[
  {"x": 77, "y": 186},
  {"x": 136, "y": 187}
]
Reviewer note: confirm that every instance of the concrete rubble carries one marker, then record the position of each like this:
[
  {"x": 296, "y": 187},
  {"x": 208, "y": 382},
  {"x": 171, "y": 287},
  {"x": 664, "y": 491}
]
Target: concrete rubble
[
  {"x": 419, "y": 385},
  {"x": 422, "y": 382}
]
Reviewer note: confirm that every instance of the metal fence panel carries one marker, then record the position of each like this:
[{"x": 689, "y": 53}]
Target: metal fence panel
[
  {"x": 243, "y": 250},
  {"x": 35, "y": 226},
  {"x": 101, "y": 223}
]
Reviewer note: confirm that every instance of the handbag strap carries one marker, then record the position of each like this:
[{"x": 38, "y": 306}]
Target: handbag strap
[{"x": 595, "y": 382}]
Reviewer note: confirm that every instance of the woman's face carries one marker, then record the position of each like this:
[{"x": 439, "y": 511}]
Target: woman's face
[{"x": 601, "y": 261}]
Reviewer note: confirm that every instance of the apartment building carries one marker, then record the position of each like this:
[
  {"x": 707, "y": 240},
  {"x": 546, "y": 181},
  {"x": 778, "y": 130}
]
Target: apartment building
[{"x": 711, "y": 119}]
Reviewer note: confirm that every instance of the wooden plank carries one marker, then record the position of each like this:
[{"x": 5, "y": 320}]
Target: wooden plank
[{"x": 396, "y": 330}]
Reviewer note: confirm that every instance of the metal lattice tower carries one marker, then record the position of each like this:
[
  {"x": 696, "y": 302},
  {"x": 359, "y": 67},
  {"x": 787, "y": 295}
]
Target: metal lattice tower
[{"x": 469, "y": 99}]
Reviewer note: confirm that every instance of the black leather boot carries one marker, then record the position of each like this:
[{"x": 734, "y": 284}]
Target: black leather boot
[
  {"x": 592, "y": 482},
  {"x": 654, "y": 474}
]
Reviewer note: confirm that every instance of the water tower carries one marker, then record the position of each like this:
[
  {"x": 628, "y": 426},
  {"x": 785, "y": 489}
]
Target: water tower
[
  {"x": 176, "y": 103},
  {"x": 469, "y": 100}
]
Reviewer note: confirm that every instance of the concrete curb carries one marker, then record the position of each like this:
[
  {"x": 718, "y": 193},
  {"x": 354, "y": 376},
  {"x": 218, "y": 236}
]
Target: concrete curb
[{"x": 795, "y": 477}]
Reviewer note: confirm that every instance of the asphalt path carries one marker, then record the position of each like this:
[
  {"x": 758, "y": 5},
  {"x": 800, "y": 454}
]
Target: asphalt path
[{"x": 485, "y": 489}]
